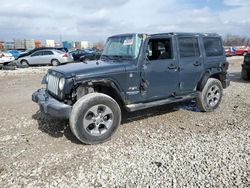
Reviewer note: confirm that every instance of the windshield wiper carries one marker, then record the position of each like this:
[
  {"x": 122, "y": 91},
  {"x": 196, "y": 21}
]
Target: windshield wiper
[
  {"x": 107, "y": 57},
  {"x": 120, "y": 57}
]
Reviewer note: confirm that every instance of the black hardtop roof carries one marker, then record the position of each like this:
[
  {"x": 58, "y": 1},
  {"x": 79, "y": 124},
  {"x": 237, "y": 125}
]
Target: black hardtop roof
[
  {"x": 172, "y": 33},
  {"x": 187, "y": 34}
]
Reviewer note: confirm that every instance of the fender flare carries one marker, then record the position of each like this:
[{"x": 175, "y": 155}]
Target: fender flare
[
  {"x": 105, "y": 82},
  {"x": 203, "y": 80}
]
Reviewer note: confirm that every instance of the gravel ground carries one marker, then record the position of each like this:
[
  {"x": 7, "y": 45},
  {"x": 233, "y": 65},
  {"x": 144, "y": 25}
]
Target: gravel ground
[{"x": 168, "y": 146}]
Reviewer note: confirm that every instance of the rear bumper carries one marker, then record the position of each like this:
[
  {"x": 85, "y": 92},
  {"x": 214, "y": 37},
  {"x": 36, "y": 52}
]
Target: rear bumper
[
  {"x": 51, "y": 106},
  {"x": 66, "y": 60}
]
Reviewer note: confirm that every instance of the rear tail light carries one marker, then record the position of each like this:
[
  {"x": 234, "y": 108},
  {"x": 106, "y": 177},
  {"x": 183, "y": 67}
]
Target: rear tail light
[{"x": 66, "y": 55}]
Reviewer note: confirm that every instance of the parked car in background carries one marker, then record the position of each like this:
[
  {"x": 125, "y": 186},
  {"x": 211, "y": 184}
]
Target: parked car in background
[
  {"x": 91, "y": 56},
  {"x": 245, "y": 72},
  {"x": 5, "y": 58},
  {"x": 85, "y": 55},
  {"x": 29, "y": 52},
  {"x": 229, "y": 51},
  {"x": 15, "y": 53},
  {"x": 46, "y": 57},
  {"x": 77, "y": 54},
  {"x": 242, "y": 51}
]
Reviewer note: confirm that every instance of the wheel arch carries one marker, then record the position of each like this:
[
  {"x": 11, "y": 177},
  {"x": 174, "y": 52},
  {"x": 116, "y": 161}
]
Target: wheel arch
[
  {"x": 105, "y": 86},
  {"x": 208, "y": 74},
  {"x": 54, "y": 59},
  {"x": 24, "y": 59}
]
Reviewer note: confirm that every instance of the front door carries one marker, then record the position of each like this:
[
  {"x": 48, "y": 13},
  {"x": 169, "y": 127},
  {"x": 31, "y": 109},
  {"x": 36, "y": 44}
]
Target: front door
[
  {"x": 35, "y": 58},
  {"x": 190, "y": 62},
  {"x": 160, "y": 69}
]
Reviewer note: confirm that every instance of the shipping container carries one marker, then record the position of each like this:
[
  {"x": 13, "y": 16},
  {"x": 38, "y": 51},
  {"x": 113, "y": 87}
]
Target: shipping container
[
  {"x": 69, "y": 44},
  {"x": 84, "y": 44},
  {"x": 78, "y": 45},
  {"x": 30, "y": 44},
  {"x": 50, "y": 43},
  {"x": 1, "y": 45},
  {"x": 19, "y": 44},
  {"x": 38, "y": 44},
  {"x": 9, "y": 45}
]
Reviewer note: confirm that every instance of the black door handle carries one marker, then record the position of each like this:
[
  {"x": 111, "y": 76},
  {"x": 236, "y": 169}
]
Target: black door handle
[
  {"x": 197, "y": 63},
  {"x": 172, "y": 66}
]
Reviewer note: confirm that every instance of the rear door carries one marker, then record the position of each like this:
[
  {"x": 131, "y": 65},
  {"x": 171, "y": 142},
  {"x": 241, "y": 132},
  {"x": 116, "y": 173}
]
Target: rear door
[
  {"x": 191, "y": 62},
  {"x": 47, "y": 57}
]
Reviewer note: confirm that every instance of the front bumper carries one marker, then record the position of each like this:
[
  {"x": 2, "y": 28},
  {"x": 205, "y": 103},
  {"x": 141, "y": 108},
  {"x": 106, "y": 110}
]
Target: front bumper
[{"x": 51, "y": 106}]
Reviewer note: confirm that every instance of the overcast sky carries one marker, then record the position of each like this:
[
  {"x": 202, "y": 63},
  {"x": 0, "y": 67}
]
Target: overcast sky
[{"x": 97, "y": 19}]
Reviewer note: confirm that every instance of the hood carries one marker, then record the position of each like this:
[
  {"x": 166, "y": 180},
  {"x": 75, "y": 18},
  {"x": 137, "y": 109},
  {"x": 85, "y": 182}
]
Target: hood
[{"x": 90, "y": 68}]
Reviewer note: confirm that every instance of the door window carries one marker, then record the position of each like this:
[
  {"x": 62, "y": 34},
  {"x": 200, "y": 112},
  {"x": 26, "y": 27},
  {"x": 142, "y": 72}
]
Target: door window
[
  {"x": 159, "y": 49},
  {"x": 36, "y": 54},
  {"x": 189, "y": 47},
  {"x": 47, "y": 53}
]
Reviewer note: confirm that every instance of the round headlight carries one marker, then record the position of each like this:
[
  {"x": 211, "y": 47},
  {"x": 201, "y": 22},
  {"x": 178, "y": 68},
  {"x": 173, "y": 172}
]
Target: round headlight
[{"x": 61, "y": 83}]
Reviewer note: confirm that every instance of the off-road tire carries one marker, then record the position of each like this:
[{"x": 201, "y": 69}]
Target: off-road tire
[
  {"x": 244, "y": 74},
  {"x": 202, "y": 98},
  {"x": 80, "y": 111},
  {"x": 9, "y": 67},
  {"x": 55, "y": 62}
]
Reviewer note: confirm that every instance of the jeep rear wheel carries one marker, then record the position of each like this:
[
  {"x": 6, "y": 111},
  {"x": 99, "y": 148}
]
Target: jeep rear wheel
[
  {"x": 210, "y": 97},
  {"x": 94, "y": 118},
  {"x": 244, "y": 74}
]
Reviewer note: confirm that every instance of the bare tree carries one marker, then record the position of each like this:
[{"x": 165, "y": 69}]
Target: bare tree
[{"x": 236, "y": 40}]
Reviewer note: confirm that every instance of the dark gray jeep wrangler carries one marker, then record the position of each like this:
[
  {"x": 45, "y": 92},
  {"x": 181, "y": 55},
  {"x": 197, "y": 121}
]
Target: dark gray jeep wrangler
[{"x": 135, "y": 71}]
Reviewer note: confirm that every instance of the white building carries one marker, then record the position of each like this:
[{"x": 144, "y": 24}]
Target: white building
[
  {"x": 30, "y": 44},
  {"x": 50, "y": 43},
  {"x": 85, "y": 44}
]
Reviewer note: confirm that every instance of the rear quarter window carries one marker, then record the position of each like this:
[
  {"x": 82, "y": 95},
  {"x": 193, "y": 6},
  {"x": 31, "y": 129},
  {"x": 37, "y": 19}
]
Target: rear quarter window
[{"x": 213, "y": 46}]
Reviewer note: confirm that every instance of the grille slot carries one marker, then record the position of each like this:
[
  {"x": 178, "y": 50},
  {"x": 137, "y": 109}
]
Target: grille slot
[{"x": 53, "y": 82}]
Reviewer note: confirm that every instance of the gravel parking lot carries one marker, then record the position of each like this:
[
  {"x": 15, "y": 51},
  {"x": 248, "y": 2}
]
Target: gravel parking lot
[{"x": 168, "y": 146}]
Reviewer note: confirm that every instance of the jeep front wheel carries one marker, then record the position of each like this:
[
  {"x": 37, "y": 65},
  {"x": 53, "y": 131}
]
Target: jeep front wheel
[
  {"x": 94, "y": 118},
  {"x": 210, "y": 97}
]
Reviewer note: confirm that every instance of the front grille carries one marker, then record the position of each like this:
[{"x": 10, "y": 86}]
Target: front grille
[{"x": 53, "y": 82}]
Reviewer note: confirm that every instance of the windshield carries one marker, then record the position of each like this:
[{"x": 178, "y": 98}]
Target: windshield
[{"x": 123, "y": 46}]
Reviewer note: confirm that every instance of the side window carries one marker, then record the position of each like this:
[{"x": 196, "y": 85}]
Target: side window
[
  {"x": 36, "y": 54},
  {"x": 213, "y": 46},
  {"x": 189, "y": 47},
  {"x": 159, "y": 49},
  {"x": 47, "y": 53}
]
